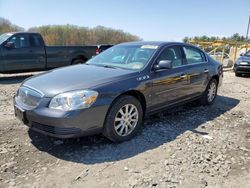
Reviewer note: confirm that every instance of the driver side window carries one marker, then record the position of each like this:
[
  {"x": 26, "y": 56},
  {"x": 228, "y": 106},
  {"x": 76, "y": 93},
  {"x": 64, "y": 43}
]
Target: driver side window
[
  {"x": 172, "y": 54},
  {"x": 20, "y": 41}
]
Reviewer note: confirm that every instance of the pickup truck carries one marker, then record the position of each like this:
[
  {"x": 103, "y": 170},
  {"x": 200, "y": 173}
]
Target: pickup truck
[{"x": 26, "y": 51}]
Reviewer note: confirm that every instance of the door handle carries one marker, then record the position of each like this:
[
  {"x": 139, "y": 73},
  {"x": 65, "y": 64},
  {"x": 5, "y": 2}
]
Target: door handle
[{"x": 206, "y": 71}]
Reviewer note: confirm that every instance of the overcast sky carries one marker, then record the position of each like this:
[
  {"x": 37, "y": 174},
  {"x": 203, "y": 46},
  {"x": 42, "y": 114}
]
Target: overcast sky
[{"x": 168, "y": 20}]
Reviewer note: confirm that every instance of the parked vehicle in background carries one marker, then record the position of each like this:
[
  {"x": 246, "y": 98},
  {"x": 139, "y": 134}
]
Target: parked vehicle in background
[
  {"x": 242, "y": 64},
  {"x": 100, "y": 48},
  {"x": 221, "y": 57},
  {"x": 26, "y": 51},
  {"x": 114, "y": 91}
]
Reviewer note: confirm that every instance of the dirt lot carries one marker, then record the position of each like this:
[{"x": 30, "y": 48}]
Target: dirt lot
[{"x": 190, "y": 146}]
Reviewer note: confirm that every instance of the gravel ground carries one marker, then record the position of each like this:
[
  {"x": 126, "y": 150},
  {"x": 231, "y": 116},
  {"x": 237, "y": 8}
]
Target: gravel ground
[{"x": 189, "y": 146}]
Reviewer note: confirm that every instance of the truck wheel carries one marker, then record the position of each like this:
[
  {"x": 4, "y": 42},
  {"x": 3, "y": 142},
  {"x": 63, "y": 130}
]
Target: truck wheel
[
  {"x": 237, "y": 74},
  {"x": 123, "y": 119},
  {"x": 210, "y": 93},
  {"x": 78, "y": 61}
]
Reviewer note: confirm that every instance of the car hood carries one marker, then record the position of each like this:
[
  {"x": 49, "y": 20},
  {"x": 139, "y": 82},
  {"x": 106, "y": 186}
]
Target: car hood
[
  {"x": 75, "y": 77},
  {"x": 244, "y": 58}
]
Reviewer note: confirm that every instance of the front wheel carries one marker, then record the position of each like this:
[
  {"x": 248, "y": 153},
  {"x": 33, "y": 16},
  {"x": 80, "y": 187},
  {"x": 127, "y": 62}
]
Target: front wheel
[
  {"x": 210, "y": 94},
  {"x": 123, "y": 119},
  {"x": 237, "y": 74}
]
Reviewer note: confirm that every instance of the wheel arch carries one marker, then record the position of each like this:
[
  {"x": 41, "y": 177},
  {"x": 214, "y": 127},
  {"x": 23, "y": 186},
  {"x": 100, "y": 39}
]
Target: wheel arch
[
  {"x": 216, "y": 77},
  {"x": 79, "y": 56},
  {"x": 134, "y": 93},
  {"x": 139, "y": 96}
]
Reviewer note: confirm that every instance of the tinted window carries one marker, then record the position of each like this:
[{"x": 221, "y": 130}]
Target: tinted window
[
  {"x": 35, "y": 41},
  {"x": 20, "y": 41},
  {"x": 173, "y": 54},
  {"x": 248, "y": 53},
  {"x": 193, "y": 55}
]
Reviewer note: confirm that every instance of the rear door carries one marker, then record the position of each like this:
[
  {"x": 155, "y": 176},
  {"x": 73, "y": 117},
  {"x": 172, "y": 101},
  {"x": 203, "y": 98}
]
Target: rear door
[
  {"x": 169, "y": 86},
  {"x": 197, "y": 69}
]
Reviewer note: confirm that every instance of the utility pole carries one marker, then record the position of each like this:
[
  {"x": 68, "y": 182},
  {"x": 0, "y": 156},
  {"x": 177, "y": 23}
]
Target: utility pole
[{"x": 247, "y": 33}]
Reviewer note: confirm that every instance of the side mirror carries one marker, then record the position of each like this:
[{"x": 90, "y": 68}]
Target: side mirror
[
  {"x": 164, "y": 64},
  {"x": 9, "y": 45}
]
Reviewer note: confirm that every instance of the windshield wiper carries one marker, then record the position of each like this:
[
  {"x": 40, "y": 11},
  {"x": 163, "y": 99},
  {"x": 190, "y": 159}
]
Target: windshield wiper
[
  {"x": 103, "y": 65},
  {"x": 109, "y": 66}
]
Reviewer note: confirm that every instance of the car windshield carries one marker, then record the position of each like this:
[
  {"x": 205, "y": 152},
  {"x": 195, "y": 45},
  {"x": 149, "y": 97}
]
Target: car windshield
[
  {"x": 4, "y": 37},
  {"x": 247, "y": 54},
  {"x": 133, "y": 57}
]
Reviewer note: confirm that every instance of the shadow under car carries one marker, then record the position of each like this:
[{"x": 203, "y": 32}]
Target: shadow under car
[{"x": 157, "y": 130}]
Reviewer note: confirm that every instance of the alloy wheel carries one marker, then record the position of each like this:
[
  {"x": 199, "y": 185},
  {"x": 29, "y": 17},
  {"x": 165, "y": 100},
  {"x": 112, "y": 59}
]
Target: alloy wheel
[
  {"x": 126, "y": 119},
  {"x": 212, "y": 91}
]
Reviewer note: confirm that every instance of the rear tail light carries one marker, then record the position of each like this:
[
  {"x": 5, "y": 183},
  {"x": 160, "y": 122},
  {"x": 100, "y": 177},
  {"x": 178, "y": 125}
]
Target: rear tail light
[{"x": 97, "y": 51}]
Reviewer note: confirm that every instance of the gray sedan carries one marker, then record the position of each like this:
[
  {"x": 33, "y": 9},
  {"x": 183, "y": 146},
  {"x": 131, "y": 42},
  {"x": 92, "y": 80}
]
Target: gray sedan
[{"x": 114, "y": 91}]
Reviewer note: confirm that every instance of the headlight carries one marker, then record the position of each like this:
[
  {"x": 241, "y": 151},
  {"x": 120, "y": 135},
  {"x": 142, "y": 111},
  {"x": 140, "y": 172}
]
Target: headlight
[
  {"x": 243, "y": 63},
  {"x": 73, "y": 100}
]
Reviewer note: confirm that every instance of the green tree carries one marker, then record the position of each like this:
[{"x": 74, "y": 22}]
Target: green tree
[
  {"x": 74, "y": 35},
  {"x": 235, "y": 37}
]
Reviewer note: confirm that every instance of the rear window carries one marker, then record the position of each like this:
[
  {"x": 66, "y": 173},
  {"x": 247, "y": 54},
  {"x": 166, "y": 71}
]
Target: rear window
[
  {"x": 35, "y": 41},
  {"x": 248, "y": 53},
  {"x": 193, "y": 55}
]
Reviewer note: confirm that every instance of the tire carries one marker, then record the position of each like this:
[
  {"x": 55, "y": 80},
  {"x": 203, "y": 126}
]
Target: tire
[
  {"x": 210, "y": 93},
  {"x": 78, "y": 61},
  {"x": 116, "y": 123},
  {"x": 237, "y": 74}
]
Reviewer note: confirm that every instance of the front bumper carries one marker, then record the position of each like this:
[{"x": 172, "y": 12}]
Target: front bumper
[
  {"x": 243, "y": 69},
  {"x": 62, "y": 124}
]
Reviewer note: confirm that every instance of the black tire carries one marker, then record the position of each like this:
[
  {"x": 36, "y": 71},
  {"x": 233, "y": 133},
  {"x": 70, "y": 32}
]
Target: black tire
[
  {"x": 109, "y": 130},
  {"x": 237, "y": 74},
  {"x": 205, "y": 100},
  {"x": 78, "y": 61}
]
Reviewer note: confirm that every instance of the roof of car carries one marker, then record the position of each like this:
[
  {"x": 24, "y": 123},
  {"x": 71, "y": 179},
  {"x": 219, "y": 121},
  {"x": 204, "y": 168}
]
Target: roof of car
[
  {"x": 156, "y": 43},
  {"x": 23, "y": 32}
]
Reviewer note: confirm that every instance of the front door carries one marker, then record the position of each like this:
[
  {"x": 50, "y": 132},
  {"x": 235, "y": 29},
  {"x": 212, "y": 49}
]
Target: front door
[
  {"x": 23, "y": 56},
  {"x": 169, "y": 85}
]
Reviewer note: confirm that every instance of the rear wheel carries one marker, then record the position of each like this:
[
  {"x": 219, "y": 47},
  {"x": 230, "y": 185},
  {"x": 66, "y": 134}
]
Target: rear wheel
[
  {"x": 210, "y": 94},
  {"x": 77, "y": 61},
  {"x": 123, "y": 119}
]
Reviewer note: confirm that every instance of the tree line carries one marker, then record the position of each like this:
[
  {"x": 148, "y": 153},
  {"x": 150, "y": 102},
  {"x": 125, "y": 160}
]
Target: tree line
[
  {"x": 73, "y": 35},
  {"x": 7, "y": 26},
  {"x": 234, "y": 38}
]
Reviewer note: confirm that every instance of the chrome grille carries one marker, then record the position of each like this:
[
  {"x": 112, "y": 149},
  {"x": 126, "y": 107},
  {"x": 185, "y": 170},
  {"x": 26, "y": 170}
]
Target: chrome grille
[{"x": 28, "y": 98}]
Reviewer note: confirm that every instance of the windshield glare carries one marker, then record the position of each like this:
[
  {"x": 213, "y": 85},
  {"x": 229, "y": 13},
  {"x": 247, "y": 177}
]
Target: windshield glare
[
  {"x": 4, "y": 37},
  {"x": 133, "y": 57}
]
